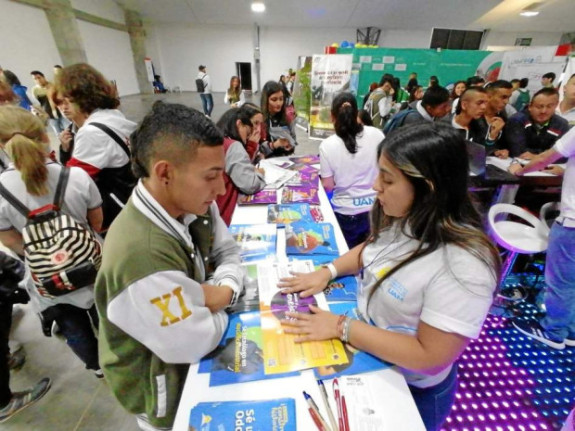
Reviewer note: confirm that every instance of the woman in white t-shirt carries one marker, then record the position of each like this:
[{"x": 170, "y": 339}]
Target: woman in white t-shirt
[
  {"x": 32, "y": 178},
  {"x": 427, "y": 272},
  {"x": 348, "y": 166}
]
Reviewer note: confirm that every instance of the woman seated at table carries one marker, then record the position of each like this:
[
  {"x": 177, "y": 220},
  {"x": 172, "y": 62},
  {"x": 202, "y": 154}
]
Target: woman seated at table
[
  {"x": 428, "y": 271},
  {"x": 348, "y": 166},
  {"x": 239, "y": 125}
]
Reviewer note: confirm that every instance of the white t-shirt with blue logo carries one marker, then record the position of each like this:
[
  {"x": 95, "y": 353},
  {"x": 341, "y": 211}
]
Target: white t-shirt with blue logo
[
  {"x": 353, "y": 174},
  {"x": 449, "y": 289}
]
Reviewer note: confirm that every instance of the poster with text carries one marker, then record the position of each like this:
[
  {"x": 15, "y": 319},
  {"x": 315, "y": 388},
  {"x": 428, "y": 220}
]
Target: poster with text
[{"x": 330, "y": 75}]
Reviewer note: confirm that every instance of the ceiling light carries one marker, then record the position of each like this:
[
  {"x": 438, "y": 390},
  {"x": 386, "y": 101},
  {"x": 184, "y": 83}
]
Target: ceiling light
[
  {"x": 529, "y": 13},
  {"x": 258, "y": 6}
]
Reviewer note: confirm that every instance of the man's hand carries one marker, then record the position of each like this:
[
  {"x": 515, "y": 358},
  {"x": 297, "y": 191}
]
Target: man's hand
[
  {"x": 497, "y": 125},
  {"x": 65, "y": 139},
  {"x": 217, "y": 297},
  {"x": 555, "y": 170},
  {"x": 502, "y": 154}
]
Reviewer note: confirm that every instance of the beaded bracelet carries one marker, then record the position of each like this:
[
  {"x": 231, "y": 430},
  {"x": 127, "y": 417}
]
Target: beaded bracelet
[{"x": 345, "y": 332}]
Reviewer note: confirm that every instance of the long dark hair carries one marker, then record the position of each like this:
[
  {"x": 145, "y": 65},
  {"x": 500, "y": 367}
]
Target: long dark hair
[
  {"x": 228, "y": 121},
  {"x": 270, "y": 88},
  {"x": 344, "y": 112},
  {"x": 433, "y": 157}
]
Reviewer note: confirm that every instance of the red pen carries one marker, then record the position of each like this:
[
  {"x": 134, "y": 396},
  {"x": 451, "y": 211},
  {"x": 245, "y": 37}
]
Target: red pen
[
  {"x": 344, "y": 409},
  {"x": 338, "y": 404},
  {"x": 316, "y": 419}
]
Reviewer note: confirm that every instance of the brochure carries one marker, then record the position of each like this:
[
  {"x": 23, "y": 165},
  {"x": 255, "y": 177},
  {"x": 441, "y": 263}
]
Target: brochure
[
  {"x": 267, "y": 415},
  {"x": 310, "y": 159},
  {"x": 274, "y": 175},
  {"x": 262, "y": 197},
  {"x": 283, "y": 214},
  {"x": 305, "y": 193},
  {"x": 310, "y": 238},
  {"x": 358, "y": 361},
  {"x": 256, "y": 241},
  {"x": 281, "y": 353}
]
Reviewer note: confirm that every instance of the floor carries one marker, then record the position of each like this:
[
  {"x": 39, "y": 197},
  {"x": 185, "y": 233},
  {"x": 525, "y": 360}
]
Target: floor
[{"x": 505, "y": 381}]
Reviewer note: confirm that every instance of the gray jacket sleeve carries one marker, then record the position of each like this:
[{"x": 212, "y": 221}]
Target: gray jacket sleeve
[{"x": 241, "y": 171}]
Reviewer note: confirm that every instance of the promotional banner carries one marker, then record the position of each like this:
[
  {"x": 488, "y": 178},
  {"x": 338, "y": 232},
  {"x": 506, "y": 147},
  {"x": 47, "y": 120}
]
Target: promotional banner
[
  {"x": 532, "y": 63},
  {"x": 302, "y": 92},
  {"x": 330, "y": 74}
]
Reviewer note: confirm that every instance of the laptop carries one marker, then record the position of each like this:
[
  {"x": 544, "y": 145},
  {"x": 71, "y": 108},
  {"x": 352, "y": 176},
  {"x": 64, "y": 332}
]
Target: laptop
[{"x": 478, "y": 167}]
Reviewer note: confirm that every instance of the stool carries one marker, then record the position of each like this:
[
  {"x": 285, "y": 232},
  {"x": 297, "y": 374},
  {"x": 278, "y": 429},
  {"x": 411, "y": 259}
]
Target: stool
[
  {"x": 548, "y": 213},
  {"x": 516, "y": 238}
]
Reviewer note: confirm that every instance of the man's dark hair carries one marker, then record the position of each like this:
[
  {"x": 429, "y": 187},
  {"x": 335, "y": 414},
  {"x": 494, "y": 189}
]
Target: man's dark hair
[
  {"x": 435, "y": 96},
  {"x": 496, "y": 85},
  {"x": 387, "y": 77},
  {"x": 473, "y": 81},
  {"x": 524, "y": 82},
  {"x": 11, "y": 78},
  {"x": 513, "y": 81},
  {"x": 57, "y": 66},
  {"x": 173, "y": 132},
  {"x": 549, "y": 75},
  {"x": 37, "y": 72},
  {"x": 465, "y": 95},
  {"x": 228, "y": 121},
  {"x": 546, "y": 91}
]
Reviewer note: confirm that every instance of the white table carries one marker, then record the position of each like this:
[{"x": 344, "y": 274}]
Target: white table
[{"x": 398, "y": 407}]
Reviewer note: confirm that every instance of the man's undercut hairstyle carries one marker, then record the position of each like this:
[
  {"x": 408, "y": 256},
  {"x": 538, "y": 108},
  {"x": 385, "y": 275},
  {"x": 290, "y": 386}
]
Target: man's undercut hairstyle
[
  {"x": 435, "y": 96},
  {"x": 466, "y": 95},
  {"x": 549, "y": 75},
  {"x": 496, "y": 85},
  {"x": 547, "y": 91},
  {"x": 37, "y": 72},
  {"x": 171, "y": 132}
]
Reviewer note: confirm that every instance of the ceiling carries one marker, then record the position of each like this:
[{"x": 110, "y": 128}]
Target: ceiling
[{"x": 499, "y": 15}]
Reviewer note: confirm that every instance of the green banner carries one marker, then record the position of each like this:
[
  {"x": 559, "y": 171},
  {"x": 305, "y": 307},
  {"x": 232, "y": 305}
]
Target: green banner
[{"x": 302, "y": 91}]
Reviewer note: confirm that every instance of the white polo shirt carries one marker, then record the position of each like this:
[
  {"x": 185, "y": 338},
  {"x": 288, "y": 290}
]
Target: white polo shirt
[{"x": 566, "y": 147}]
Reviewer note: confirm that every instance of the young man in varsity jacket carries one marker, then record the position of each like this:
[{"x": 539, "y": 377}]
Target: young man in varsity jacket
[{"x": 169, "y": 267}]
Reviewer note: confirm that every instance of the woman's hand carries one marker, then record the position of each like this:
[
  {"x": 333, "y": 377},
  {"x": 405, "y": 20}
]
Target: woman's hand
[
  {"x": 65, "y": 139},
  {"x": 320, "y": 325},
  {"x": 307, "y": 283}
]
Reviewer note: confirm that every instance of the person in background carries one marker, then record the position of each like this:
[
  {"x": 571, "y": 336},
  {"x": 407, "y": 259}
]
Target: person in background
[
  {"x": 557, "y": 328},
  {"x": 57, "y": 69},
  {"x": 7, "y": 97},
  {"x": 520, "y": 97},
  {"x": 170, "y": 267},
  {"x": 475, "y": 81},
  {"x": 279, "y": 138},
  {"x": 76, "y": 118},
  {"x": 458, "y": 88},
  {"x": 515, "y": 83},
  {"x": 547, "y": 80},
  {"x": 498, "y": 94},
  {"x": 18, "y": 89},
  {"x": 32, "y": 178},
  {"x": 235, "y": 96},
  {"x": 159, "y": 85},
  {"x": 427, "y": 272},
  {"x": 566, "y": 109},
  {"x": 98, "y": 151},
  {"x": 363, "y": 118},
  {"x": 415, "y": 96},
  {"x": 348, "y": 168},
  {"x": 206, "y": 95},
  {"x": 537, "y": 128},
  {"x": 411, "y": 82},
  {"x": 41, "y": 92},
  {"x": 11, "y": 273},
  {"x": 240, "y": 176},
  {"x": 372, "y": 87},
  {"x": 433, "y": 81},
  {"x": 434, "y": 105},
  {"x": 380, "y": 102}
]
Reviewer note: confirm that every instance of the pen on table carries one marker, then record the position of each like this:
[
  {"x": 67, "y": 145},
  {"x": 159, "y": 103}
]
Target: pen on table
[
  {"x": 338, "y": 404},
  {"x": 316, "y": 419},
  {"x": 327, "y": 407},
  {"x": 312, "y": 405},
  {"x": 344, "y": 410}
]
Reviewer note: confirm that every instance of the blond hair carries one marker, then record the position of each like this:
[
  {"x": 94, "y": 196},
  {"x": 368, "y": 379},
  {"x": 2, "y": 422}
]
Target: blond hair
[{"x": 23, "y": 135}]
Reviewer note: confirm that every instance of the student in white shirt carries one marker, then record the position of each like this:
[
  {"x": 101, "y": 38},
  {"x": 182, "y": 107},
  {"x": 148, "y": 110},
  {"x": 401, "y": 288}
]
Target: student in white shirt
[
  {"x": 428, "y": 271},
  {"x": 348, "y": 168}
]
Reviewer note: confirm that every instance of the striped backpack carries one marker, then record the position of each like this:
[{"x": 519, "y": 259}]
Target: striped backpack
[{"x": 63, "y": 255}]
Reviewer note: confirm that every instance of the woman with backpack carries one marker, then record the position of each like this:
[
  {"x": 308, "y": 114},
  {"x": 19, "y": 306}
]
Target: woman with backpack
[
  {"x": 32, "y": 180},
  {"x": 279, "y": 138},
  {"x": 239, "y": 126},
  {"x": 101, "y": 145},
  {"x": 348, "y": 168}
]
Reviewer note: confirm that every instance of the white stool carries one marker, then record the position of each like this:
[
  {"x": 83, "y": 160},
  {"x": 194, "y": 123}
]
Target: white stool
[
  {"x": 516, "y": 238},
  {"x": 548, "y": 213}
]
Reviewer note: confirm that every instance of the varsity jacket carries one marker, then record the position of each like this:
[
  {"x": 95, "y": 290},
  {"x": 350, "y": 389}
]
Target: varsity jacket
[
  {"x": 522, "y": 134},
  {"x": 153, "y": 318}
]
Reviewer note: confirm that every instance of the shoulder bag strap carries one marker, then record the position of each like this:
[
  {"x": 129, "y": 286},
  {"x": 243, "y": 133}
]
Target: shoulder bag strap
[
  {"x": 12, "y": 200},
  {"x": 61, "y": 187},
  {"x": 114, "y": 136}
]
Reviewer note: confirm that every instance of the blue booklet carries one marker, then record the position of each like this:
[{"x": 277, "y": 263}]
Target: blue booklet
[
  {"x": 284, "y": 214},
  {"x": 256, "y": 241},
  {"x": 310, "y": 238},
  {"x": 359, "y": 362},
  {"x": 278, "y": 415},
  {"x": 239, "y": 357}
]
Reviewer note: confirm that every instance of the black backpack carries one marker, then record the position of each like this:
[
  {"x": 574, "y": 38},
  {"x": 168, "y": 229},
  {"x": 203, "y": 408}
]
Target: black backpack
[
  {"x": 63, "y": 254},
  {"x": 200, "y": 85},
  {"x": 115, "y": 184},
  {"x": 397, "y": 120}
]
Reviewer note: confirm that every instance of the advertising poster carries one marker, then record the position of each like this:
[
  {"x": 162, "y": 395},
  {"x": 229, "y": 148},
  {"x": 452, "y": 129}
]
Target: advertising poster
[
  {"x": 302, "y": 92},
  {"x": 330, "y": 75}
]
